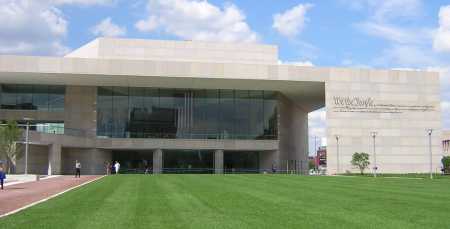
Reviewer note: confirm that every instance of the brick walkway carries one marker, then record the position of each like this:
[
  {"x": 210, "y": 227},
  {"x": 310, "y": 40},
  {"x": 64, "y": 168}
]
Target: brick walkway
[{"x": 19, "y": 195}]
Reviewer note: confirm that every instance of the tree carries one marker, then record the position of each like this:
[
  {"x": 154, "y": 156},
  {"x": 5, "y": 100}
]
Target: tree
[
  {"x": 361, "y": 161},
  {"x": 9, "y": 135},
  {"x": 446, "y": 163}
]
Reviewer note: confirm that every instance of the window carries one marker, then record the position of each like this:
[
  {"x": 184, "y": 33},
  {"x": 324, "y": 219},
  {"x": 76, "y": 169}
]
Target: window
[
  {"x": 186, "y": 113},
  {"x": 32, "y": 97}
]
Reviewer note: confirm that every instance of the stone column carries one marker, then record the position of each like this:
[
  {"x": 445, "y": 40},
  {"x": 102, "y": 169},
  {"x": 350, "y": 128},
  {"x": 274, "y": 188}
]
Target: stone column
[
  {"x": 157, "y": 161},
  {"x": 54, "y": 159},
  {"x": 218, "y": 161}
]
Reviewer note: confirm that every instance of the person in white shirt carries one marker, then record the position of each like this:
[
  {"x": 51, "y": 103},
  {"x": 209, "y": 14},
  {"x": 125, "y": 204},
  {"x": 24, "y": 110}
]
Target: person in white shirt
[
  {"x": 117, "y": 167},
  {"x": 77, "y": 169}
]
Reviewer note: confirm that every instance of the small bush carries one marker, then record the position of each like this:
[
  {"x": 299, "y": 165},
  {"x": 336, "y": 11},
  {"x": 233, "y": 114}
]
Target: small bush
[
  {"x": 446, "y": 163},
  {"x": 361, "y": 161}
]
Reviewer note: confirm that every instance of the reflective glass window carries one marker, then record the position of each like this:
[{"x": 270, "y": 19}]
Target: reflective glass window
[
  {"x": 56, "y": 98},
  {"x": 104, "y": 111},
  {"x": 40, "y": 97},
  {"x": 270, "y": 115},
  {"x": 8, "y": 96},
  {"x": 186, "y": 113},
  {"x": 32, "y": 97},
  {"x": 24, "y": 97},
  {"x": 120, "y": 112},
  {"x": 226, "y": 115}
]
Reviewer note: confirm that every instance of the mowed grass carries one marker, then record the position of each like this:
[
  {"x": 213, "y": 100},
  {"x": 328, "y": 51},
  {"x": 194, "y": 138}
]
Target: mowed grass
[{"x": 244, "y": 201}]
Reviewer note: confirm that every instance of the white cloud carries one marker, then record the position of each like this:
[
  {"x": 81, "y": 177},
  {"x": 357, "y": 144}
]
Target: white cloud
[
  {"x": 36, "y": 27},
  {"x": 107, "y": 28},
  {"x": 441, "y": 41},
  {"x": 406, "y": 56},
  {"x": 147, "y": 25},
  {"x": 386, "y": 10},
  {"x": 291, "y": 22},
  {"x": 395, "y": 33},
  {"x": 384, "y": 20},
  {"x": 197, "y": 20},
  {"x": 395, "y": 9},
  {"x": 83, "y": 2},
  {"x": 31, "y": 27}
]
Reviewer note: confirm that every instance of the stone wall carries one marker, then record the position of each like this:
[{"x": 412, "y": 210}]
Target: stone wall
[
  {"x": 37, "y": 160},
  {"x": 93, "y": 161},
  {"x": 399, "y": 105},
  {"x": 293, "y": 134}
]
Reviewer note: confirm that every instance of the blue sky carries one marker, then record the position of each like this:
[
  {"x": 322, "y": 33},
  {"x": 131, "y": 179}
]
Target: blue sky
[{"x": 407, "y": 34}]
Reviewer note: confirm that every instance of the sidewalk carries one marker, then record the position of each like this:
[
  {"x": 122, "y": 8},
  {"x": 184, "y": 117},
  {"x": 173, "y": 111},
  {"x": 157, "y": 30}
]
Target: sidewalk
[{"x": 19, "y": 195}]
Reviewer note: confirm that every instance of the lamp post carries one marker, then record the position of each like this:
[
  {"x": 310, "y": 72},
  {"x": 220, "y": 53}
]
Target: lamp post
[
  {"x": 430, "y": 131},
  {"x": 337, "y": 154},
  {"x": 27, "y": 142},
  {"x": 315, "y": 151},
  {"x": 375, "y": 168}
]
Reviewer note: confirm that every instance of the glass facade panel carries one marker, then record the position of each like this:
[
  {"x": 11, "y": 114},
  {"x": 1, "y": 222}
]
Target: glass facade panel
[
  {"x": 137, "y": 112},
  {"x": 40, "y": 97},
  {"x": 104, "y": 111},
  {"x": 32, "y": 97},
  {"x": 24, "y": 97},
  {"x": 226, "y": 115},
  {"x": 188, "y": 161},
  {"x": 9, "y": 97},
  {"x": 188, "y": 114},
  {"x": 120, "y": 112},
  {"x": 241, "y": 162},
  {"x": 270, "y": 115},
  {"x": 133, "y": 161}
]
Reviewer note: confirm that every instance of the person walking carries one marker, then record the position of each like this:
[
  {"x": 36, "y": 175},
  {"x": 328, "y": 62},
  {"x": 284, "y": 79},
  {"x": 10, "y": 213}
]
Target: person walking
[
  {"x": 77, "y": 169},
  {"x": 117, "y": 167},
  {"x": 2, "y": 176},
  {"x": 108, "y": 168}
]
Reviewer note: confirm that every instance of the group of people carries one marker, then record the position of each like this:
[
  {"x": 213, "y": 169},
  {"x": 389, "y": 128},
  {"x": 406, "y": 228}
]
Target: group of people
[
  {"x": 109, "y": 167},
  {"x": 112, "y": 167}
]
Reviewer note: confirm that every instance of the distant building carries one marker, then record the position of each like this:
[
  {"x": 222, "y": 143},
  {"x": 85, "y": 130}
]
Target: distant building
[
  {"x": 446, "y": 142},
  {"x": 321, "y": 156}
]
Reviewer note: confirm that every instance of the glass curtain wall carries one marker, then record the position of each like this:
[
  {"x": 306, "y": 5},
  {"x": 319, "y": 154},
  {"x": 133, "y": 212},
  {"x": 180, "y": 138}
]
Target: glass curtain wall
[
  {"x": 188, "y": 161},
  {"x": 184, "y": 113},
  {"x": 241, "y": 162},
  {"x": 32, "y": 97}
]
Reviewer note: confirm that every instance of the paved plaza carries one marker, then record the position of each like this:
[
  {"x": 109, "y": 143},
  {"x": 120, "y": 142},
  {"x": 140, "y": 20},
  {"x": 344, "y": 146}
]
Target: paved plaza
[{"x": 19, "y": 195}]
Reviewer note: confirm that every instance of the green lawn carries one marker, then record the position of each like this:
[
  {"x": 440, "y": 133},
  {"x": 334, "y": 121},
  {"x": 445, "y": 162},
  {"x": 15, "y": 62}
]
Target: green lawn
[{"x": 244, "y": 201}]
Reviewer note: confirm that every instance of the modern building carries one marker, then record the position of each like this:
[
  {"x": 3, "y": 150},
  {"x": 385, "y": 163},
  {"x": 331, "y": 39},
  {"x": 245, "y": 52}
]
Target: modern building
[{"x": 213, "y": 107}]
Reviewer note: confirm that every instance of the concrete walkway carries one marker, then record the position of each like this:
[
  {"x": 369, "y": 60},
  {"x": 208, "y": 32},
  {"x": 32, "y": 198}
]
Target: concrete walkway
[{"x": 17, "y": 196}]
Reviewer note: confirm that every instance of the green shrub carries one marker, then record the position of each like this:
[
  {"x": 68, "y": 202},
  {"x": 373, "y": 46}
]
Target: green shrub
[
  {"x": 361, "y": 161},
  {"x": 446, "y": 163}
]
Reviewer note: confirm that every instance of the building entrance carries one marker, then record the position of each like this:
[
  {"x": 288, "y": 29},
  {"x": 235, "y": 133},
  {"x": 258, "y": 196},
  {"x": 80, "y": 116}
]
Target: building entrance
[
  {"x": 134, "y": 161},
  {"x": 188, "y": 161},
  {"x": 241, "y": 162}
]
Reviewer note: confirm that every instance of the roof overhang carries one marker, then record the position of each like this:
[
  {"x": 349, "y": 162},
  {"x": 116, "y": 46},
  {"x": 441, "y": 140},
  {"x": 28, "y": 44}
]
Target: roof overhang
[{"x": 305, "y": 86}]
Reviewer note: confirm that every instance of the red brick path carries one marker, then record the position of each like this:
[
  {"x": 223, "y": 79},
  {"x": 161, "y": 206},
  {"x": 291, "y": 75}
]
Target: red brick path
[{"x": 20, "y": 195}]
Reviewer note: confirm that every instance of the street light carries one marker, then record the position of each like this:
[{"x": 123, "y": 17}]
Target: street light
[
  {"x": 27, "y": 142},
  {"x": 375, "y": 168},
  {"x": 337, "y": 154},
  {"x": 430, "y": 131},
  {"x": 315, "y": 152}
]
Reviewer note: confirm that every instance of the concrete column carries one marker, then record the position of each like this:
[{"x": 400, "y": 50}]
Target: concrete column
[
  {"x": 54, "y": 159},
  {"x": 157, "y": 161},
  {"x": 218, "y": 161},
  {"x": 268, "y": 160}
]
